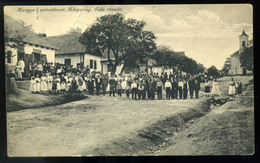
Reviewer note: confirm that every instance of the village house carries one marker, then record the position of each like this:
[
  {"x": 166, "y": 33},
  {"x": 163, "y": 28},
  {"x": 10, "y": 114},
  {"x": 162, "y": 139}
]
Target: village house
[
  {"x": 235, "y": 65},
  {"x": 153, "y": 68},
  {"x": 31, "y": 47},
  {"x": 72, "y": 52}
]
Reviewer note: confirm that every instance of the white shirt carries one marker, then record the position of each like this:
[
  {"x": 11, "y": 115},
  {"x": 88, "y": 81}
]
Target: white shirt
[
  {"x": 168, "y": 84},
  {"x": 180, "y": 84},
  {"x": 133, "y": 85}
]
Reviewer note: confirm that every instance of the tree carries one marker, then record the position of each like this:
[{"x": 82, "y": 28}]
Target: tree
[
  {"x": 119, "y": 36},
  {"x": 246, "y": 58},
  {"x": 162, "y": 56},
  {"x": 200, "y": 68},
  {"x": 227, "y": 66},
  {"x": 212, "y": 71},
  {"x": 74, "y": 31}
]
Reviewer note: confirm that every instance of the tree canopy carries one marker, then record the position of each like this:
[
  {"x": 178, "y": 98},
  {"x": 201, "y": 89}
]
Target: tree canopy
[
  {"x": 126, "y": 39},
  {"x": 212, "y": 71},
  {"x": 167, "y": 58},
  {"x": 246, "y": 58}
]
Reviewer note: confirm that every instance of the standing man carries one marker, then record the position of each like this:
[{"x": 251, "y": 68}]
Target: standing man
[
  {"x": 185, "y": 89},
  {"x": 196, "y": 88},
  {"x": 168, "y": 88},
  {"x": 104, "y": 81},
  {"x": 175, "y": 88},
  {"x": 98, "y": 83},
  {"x": 159, "y": 86},
  {"x": 134, "y": 89},
  {"x": 180, "y": 88},
  {"x": 112, "y": 84},
  {"x": 22, "y": 65},
  {"x": 191, "y": 87}
]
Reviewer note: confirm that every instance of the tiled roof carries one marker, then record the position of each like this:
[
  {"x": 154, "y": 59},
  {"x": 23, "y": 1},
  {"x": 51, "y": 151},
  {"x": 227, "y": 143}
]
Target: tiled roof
[{"x": 13, "y": 28}]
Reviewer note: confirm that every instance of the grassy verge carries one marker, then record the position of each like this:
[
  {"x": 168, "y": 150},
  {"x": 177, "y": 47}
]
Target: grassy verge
[{"x": 25, "y": 100}]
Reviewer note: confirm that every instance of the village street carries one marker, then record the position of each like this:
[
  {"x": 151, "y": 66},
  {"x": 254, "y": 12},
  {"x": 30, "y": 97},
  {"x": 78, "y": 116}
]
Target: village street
[{"x": 118, "y": 126}]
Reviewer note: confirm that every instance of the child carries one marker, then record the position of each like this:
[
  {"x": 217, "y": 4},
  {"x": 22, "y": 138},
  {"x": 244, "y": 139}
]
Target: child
[
  {"x": 38, "y": 83},
  {"x": 80, "y": 85},
  {"x": 68, "y": 84},
  {"x": 32, "y": 85}
]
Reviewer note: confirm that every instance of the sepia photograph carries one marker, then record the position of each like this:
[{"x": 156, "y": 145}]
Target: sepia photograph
[{"x": 129, "y": 80}]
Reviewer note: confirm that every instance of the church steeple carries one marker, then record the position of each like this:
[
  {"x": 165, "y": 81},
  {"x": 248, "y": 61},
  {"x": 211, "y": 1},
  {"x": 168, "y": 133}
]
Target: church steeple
[
  {"x": 243, "y": 40},
  {"x": 243, "y": 33}
]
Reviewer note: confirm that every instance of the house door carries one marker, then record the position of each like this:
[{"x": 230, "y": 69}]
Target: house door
[
  {"x": 67, "y": 62},
  {"x": 244, "y": 71},
  {"x": 20, "y": 55}
]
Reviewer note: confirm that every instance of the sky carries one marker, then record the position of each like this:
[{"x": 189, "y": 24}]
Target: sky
[{"x": 207, "y": 33}]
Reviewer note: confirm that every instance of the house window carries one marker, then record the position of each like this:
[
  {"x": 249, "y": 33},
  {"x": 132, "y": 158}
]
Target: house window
[
  {"x": 37, "y": 57},
  {"x": 43, "y": 58},
  {"x": 9, "y": 57},
  {"x": 67, "y": 62},
  {"x": 93, "y": 64}
]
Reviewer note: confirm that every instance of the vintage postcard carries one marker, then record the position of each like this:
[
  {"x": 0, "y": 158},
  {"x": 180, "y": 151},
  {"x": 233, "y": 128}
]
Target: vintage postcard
[{"x": 129, "y": 80}]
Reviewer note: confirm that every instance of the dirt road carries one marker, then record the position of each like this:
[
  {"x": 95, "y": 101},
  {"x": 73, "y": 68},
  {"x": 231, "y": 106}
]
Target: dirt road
[
  {"x": 118, "y": 126},
  {"x": 79, "y": 126}
]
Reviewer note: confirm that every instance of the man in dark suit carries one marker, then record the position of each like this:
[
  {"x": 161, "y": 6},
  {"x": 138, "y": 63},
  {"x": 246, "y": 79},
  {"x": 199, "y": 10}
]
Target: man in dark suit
[
  {"x": 191, "y": 87},
  {"x": 175, "y": 88},
  {"x": 98, "y": 83},
  {"x": 196, "y": 88},
  {"x": 104, "y": 81},
  {"x": 112, "y": 83}
]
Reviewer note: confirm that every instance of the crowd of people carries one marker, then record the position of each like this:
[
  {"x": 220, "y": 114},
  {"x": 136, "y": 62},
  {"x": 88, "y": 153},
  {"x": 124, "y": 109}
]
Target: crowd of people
[
  {"x": 140, "y": 86},
  {"x": 61, "y": 79}
]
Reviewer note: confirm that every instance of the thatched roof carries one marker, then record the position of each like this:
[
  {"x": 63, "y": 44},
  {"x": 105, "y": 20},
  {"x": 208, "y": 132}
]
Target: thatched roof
[
  {"x": 13, "y": 27},
  {"x": 69, "y": 44},
  {"x": 66, "y": 44}
]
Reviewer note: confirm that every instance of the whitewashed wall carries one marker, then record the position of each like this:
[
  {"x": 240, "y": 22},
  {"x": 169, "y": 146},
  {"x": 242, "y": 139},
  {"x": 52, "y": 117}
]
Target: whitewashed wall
[
  {"x": 50, "y": 53},
  {"x": 75, "y": 58},
  {"x": 89, "y": 57}
]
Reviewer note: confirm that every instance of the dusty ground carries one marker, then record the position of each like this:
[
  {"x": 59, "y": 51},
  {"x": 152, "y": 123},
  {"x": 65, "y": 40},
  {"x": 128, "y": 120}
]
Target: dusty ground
[{"x": 118, "y": 126}]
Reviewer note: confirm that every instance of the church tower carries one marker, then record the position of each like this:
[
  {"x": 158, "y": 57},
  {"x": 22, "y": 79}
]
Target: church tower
[{"x": 243, "y": 40}]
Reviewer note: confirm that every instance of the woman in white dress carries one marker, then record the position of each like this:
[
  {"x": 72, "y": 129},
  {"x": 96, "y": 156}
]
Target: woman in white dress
[
  {"x": 18, "y": 71},
  {"x": 57, "y": 80},
  {"x": 215, "y": 88},
  {"x": 32, "y": 85},
  {"x": 44, "y": 83},
  {"x": 207, "y": 88},
  {"x": 49, "y": 82},
  {"x": 232, "y": 88},
  {"x": 38, "y": 83}
]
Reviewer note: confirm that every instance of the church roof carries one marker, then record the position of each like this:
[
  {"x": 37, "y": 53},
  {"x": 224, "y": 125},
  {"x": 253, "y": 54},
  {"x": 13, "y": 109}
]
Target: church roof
[
  {"x": 236, "y": 54},
  {"x": 243, "y": 33}
]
